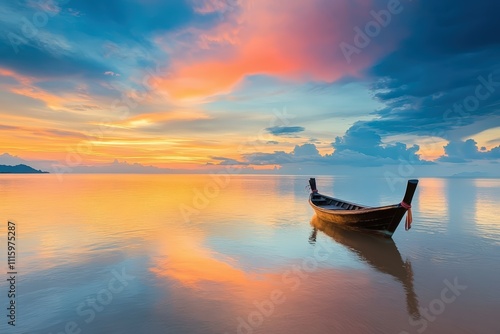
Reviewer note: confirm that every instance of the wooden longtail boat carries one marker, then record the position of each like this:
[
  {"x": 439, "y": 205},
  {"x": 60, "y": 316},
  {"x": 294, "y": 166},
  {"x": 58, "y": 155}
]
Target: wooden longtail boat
[
  {"x": 382, "y": 220},
  {"x": 379, "y": 253}
]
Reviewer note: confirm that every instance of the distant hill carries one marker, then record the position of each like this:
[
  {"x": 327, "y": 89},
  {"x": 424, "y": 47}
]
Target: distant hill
[
  {"x": 19, "y": 169},
  {"x": 471, "y": 175}
]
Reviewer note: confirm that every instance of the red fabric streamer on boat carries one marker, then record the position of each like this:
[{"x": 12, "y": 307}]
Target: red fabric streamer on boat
[{"x": 409, "y": 217}]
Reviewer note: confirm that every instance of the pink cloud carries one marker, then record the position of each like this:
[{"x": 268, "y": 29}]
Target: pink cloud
[{"x": 298, "y": 40}]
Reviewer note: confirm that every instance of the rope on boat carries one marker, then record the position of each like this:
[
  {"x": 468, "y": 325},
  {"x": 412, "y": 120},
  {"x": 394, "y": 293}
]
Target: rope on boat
[
  {"x": 409, "y": 217},
  {"x": 308, "y": 188}
]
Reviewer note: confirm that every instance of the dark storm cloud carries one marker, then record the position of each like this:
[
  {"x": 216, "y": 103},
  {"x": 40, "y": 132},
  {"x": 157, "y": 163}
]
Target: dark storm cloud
[
  {"x": 364, "y": 140},
  {"x": 360, "y": 146},
  {"x": 445, "y": 74},
  {"x": 284, "y": 130},
  {"x": 465, "y": 151}
]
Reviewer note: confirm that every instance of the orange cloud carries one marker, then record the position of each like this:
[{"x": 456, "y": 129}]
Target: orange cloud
[
  {"x": 52, "y": 101},
  {"x": 299, "y": 41},
  {"x": 160, "y": 117},
  {"x": 19, "y": 78},
  {"x": 26, "y": 87}
]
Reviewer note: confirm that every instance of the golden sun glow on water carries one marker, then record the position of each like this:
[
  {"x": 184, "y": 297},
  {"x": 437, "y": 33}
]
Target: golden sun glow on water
[
  {"x": 432, "y": 198},
  {"x": 487, "y": 221}
]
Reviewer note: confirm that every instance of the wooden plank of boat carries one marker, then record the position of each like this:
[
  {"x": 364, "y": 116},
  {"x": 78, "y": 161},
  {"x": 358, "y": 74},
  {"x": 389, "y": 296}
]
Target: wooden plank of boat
[{"x": 382, "y": 220}]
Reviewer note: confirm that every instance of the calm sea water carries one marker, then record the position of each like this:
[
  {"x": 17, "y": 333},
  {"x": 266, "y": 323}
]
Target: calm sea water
[{"x": 190, "y": 254}]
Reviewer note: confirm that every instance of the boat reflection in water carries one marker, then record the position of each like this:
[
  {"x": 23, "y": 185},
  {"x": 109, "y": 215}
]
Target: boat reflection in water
[{"x": 380, "y": 253}]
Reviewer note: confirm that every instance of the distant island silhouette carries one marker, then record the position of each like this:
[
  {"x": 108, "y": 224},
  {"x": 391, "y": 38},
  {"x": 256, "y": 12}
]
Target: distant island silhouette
[{"x": 19, "y": 169}]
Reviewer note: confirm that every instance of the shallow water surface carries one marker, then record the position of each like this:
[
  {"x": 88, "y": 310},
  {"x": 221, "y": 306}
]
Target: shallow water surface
[{"x": 244, "y": 254}]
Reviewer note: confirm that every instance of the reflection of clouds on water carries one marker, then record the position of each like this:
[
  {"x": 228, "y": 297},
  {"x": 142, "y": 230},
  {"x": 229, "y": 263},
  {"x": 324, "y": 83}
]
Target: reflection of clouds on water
[
  {"x": 187, "y": 260},
  {"x": 487, "y": 221},
  {"x": 191, "y": 268},
  {"x": 458, "y": 207},
  {"x": 430, "y": 207},
  {"x": 461, "y": 195}
]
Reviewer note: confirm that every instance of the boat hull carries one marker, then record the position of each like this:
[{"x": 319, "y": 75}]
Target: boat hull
[{"x": 380, "y": 220}]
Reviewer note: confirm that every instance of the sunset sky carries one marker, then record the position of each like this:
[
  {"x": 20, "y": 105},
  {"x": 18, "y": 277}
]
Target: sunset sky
[{"x": 204, "y": 84}]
